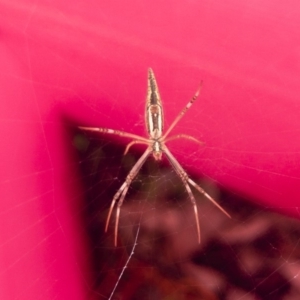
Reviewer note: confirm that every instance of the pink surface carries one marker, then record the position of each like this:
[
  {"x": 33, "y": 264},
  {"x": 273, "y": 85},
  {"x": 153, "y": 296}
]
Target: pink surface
[{"x": 88, "y": 61}]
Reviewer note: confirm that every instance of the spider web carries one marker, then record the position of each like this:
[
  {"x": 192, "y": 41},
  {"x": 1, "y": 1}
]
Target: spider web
[{"x": 58, "y": 181}]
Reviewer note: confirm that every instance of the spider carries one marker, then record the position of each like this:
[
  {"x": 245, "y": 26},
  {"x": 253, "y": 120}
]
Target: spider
[{"x": 156, "y": 145}]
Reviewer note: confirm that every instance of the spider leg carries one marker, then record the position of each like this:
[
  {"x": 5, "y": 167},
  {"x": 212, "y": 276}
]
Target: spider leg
[
  {"x": 121, "y": 193},
  {"x": 181, "y": 114},
  {"x": 184, "y": 177},
  {"x": 118, "y": 212},
  {"x": 183, "y": 136},
  {"x": 201, "y": 190},
  {"x": 115, "y": 132},
  {"x": 193, "y": 200},
  {"x": 133, "y": 143},
  {"x": 113, "y": 202}
]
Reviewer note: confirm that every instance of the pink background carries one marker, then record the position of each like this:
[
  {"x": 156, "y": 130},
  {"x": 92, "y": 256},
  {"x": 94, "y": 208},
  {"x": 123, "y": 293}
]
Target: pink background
[{"x": 87, "y": 61}]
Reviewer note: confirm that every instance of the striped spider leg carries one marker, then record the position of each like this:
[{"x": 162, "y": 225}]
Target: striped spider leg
[{"x": 156, "y": 145}]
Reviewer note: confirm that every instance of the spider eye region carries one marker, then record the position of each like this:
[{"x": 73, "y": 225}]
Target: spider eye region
[
  {"x": 157, "y": 151},
  {"x": 157, "y": 155}
]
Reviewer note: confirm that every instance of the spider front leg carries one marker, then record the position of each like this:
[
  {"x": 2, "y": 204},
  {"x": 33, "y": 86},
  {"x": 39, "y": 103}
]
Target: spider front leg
[
  {"x": 201, "y": 190},
  {"x": 184, "y": 177},
  {"x": 121, "y": 193}
]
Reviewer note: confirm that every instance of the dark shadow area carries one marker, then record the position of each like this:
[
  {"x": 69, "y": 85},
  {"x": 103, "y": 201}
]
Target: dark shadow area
[{"x": 254, "y": 255}]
